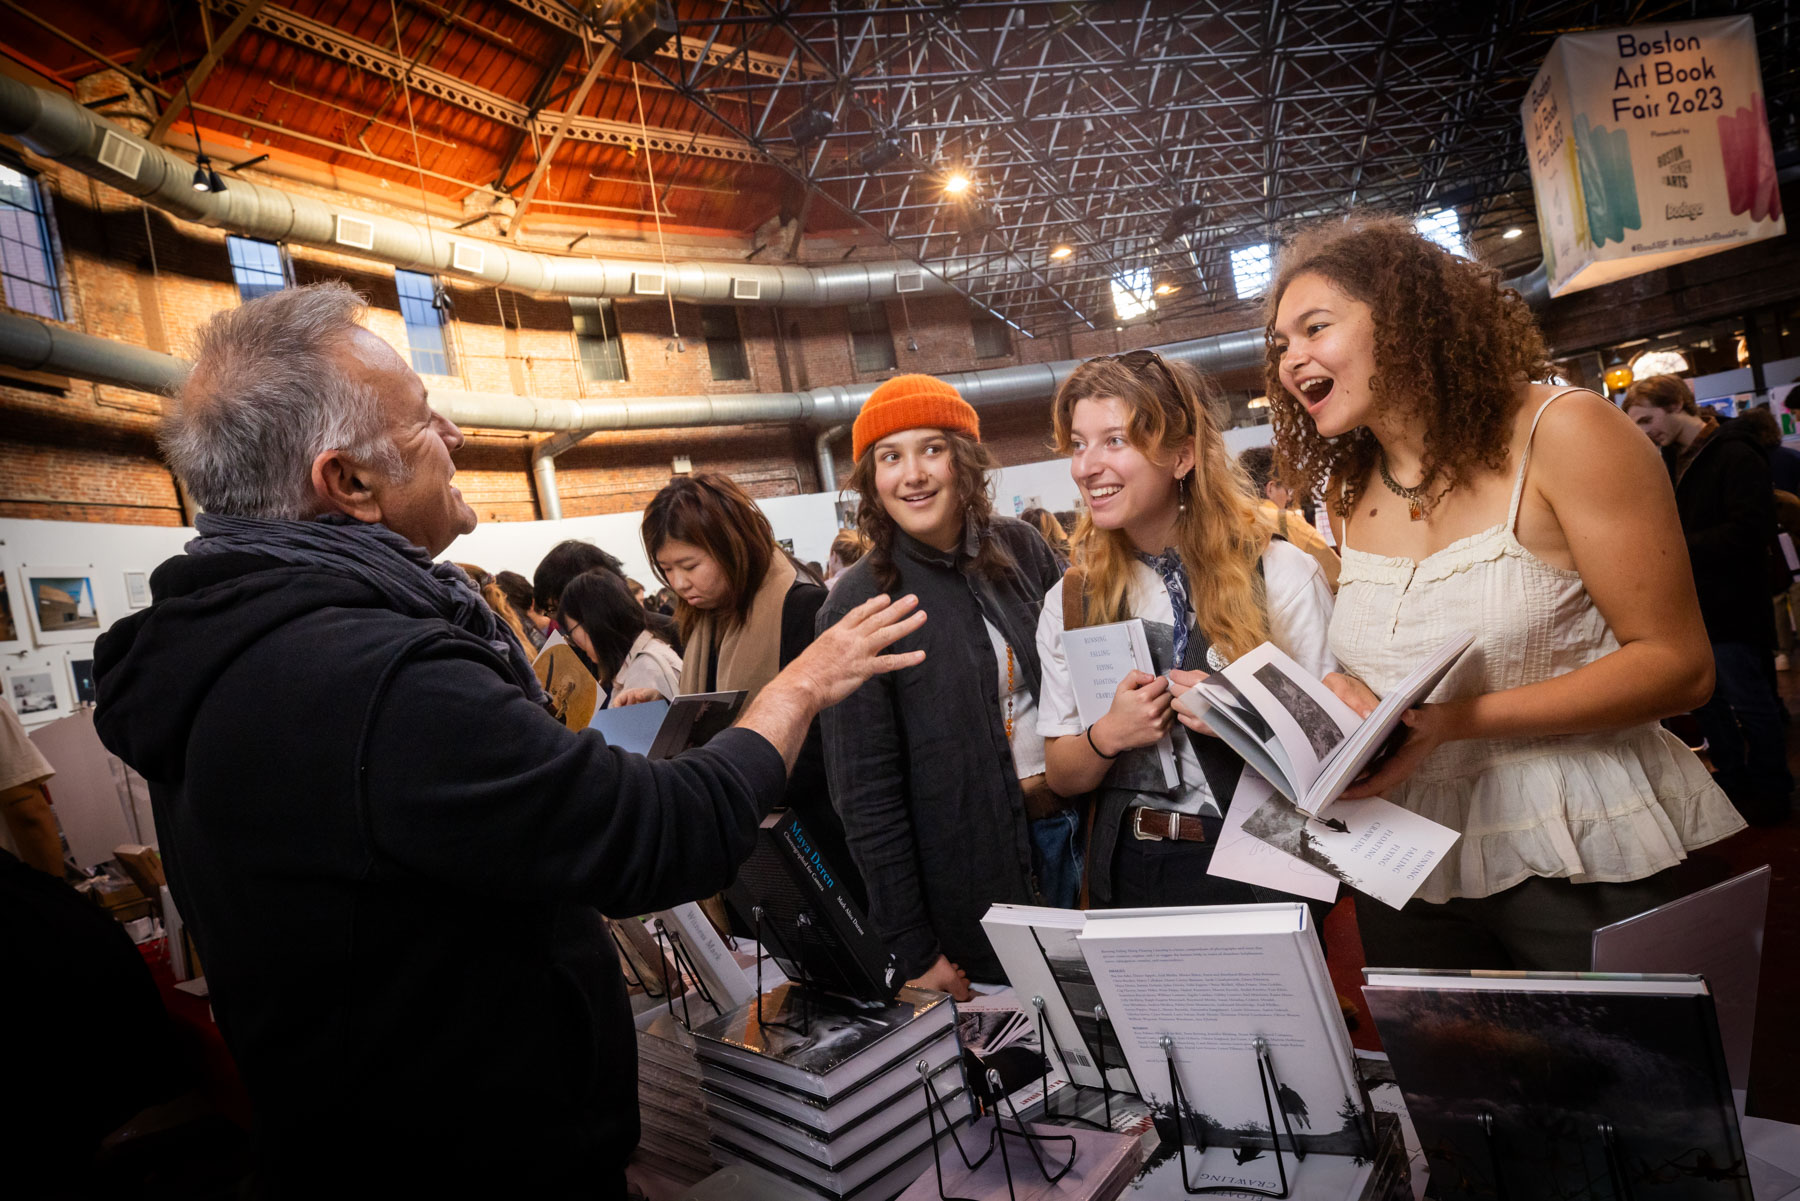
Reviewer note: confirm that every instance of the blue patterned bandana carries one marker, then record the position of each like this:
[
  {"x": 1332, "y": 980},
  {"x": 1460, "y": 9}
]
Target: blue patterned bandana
[{"x": 1174, "y": 578}]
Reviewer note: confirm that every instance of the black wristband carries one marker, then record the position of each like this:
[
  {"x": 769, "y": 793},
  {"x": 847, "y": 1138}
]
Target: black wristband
[{"x": 1096, "y": 749}]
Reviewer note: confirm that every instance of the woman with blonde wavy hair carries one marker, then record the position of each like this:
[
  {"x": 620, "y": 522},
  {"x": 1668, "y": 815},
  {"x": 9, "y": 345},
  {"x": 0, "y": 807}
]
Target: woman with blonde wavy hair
[{"x": 1169, "y": 536}]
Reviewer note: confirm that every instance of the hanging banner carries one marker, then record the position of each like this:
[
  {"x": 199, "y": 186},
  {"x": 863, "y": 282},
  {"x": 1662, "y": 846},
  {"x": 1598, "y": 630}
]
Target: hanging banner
[{"x": 1649, "y": 145}]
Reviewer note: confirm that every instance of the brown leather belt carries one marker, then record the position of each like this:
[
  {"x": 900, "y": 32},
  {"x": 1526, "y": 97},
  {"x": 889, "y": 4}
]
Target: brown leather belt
[{"x": 1164, "y": 825}]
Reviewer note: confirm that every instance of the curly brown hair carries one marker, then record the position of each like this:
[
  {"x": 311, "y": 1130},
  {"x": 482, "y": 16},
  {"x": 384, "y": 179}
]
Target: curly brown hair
[
  {"x": 1452, "y": 348},
  {"x": 972, "y": 461}
]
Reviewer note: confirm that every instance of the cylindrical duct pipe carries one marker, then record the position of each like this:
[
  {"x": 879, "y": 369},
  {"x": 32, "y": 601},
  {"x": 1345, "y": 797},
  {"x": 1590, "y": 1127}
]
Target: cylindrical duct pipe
[
  {"x": 828, "y": 480},
  {"x": 54, "y": 126}
]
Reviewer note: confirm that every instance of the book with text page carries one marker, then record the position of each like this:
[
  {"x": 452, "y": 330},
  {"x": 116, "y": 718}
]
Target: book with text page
[{"x": 1099, "y": 658}]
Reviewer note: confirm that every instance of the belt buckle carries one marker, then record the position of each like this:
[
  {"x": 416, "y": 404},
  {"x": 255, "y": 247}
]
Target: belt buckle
[{"x": 1137, "y": 825}]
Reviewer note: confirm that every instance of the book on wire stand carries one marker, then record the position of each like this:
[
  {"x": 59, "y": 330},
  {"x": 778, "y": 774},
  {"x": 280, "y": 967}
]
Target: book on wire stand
[{"x": 1577, "y": 1086}]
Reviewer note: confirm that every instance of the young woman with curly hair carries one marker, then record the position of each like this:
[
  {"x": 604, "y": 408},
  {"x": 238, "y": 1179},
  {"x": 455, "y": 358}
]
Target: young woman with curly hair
[
  {"x": 940, "y": 777},
  {"x": 1468, "y": 498},
  {"x": 1171, "y": 536}
]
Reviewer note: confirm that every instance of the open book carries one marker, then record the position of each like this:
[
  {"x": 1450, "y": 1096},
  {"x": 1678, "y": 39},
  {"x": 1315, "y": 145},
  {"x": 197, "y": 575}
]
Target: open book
[
  {"x": 663, "y": 729},
  {"x": 1295, "y": 731}
]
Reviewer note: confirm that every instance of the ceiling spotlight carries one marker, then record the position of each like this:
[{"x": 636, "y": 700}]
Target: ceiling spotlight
[
  {"x": 1061, "y": 251},
  {"x": 877, "y": 155},
  {"x": 957, "y": 184},
  {"x": 1166, "y": 289},
  {"x": 810, "y": 124},
  {"x": 1514, "y": 232},
  {"x": 1180, "y": 221},
  {"x": 213, "y": 182},
  {"x": 201, "y": 183}
]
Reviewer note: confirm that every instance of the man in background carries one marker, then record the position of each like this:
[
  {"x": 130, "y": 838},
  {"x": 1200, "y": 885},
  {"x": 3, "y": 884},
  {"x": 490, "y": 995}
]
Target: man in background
[{"x": 1727, "y": 506}]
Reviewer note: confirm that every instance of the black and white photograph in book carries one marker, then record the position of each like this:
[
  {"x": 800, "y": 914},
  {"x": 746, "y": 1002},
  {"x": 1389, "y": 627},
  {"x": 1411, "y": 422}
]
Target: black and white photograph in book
[
  {"x": 1279, "y": 822},
  {"x": 1322, "y": 733},
  {"x": 1075, "y": 980}
]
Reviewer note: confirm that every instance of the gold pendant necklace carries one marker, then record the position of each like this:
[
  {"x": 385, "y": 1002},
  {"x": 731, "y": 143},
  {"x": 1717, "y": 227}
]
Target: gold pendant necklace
[{"x": 1417, "y": 498}]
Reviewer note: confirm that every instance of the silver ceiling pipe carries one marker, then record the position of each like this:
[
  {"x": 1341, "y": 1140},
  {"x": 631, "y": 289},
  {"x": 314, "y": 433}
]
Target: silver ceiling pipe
[
  {"x": 828, "y": 480},
  {"x": 53, "y": 125}
]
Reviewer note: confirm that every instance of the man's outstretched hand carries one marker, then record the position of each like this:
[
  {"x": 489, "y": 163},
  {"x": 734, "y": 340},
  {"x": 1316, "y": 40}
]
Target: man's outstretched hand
[{"x": 834, "y": 666}]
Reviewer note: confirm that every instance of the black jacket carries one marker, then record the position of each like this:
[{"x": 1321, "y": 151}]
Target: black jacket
[
  {"x": 921, "y": 771},
  {"x": 1727, "y": 509},
  {"x": 394, "y": 866}
]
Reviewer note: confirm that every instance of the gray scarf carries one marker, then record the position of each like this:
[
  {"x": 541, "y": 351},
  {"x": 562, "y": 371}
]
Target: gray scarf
[{"x": 402, "y": 573}]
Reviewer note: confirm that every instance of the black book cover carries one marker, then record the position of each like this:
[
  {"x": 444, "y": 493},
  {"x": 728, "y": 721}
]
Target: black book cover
[
  {"x": 1547, "y": 1061},
  {"x": 811, "y": 926}
]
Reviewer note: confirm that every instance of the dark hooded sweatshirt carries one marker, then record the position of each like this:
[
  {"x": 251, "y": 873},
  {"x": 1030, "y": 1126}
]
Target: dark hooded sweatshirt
[
  {"x": 1727, "y": 509},
  {"x": 394, "y": 866}
]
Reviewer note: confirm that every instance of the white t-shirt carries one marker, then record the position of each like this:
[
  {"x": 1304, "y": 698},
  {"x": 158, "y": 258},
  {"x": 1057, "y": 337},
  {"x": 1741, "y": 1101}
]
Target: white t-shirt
[
  {"x": 1299, "y": 623},
  {"x": 1027, "y": 743}
]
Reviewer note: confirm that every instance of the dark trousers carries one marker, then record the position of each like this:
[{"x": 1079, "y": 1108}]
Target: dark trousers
[
  {"x": 1540, "y": 925},
  {"x": 1150, "y": 873},
  {"x": 1743, "y": 724}
]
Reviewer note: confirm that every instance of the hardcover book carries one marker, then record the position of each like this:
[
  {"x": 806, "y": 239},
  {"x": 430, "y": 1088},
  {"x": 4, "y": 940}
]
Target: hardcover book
[
  {"x": 1214, "y": 981},
  {"x": 895, "y": 1086},
  {"x": 1103, "y": 1163},
  {"x": 811, "y": 926},
  {"x": 1581, "y": 1087},
  {"x": 841, "y": 1044}
]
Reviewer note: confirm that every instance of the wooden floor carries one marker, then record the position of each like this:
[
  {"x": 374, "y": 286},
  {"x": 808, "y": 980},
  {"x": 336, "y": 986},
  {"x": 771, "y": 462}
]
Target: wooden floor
[{"x": 1775, "y": 1070}]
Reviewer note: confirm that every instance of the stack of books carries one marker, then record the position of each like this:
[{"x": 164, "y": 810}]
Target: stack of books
[
  {"x": 673, "y": 1141},
  {"x": 1102, "y": 1165},
  {"x": 832, "y": 1097}
]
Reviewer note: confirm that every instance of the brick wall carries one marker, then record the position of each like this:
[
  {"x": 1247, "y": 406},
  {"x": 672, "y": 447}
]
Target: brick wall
[{"x": 72, "y": 450}]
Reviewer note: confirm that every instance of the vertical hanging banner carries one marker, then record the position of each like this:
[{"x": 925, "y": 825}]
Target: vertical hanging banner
[{"x": 1649, "y": 145}]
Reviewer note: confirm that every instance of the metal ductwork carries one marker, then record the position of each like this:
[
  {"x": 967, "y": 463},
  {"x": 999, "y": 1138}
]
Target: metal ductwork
[
  {"x": 53, "y": 125},
  {"x": 38, "y": 345}
]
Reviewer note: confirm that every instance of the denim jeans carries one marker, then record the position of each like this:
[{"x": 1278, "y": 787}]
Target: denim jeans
[
  {"x": 1743, "y": 724},
  {"x": 1058, "y": 858}
]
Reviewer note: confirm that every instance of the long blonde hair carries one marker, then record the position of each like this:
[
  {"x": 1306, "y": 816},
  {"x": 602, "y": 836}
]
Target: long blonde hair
[{"x": 1217, "y": 536}]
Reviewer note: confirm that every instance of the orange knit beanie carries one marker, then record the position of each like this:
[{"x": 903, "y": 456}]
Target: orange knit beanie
[{"x": 909, "y": 402}]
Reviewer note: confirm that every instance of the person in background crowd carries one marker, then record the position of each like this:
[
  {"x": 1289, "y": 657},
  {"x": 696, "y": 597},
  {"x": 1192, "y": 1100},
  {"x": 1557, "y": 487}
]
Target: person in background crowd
[
  {"x": 746, "y": 609},
  {"x": 1784, "y": 461},
  {"x": 24, "y": 800},
  {"x": 665, "y": 602},
  {"x": 1784, "y": 473},
  {"x": 940, "y": 781},
  {"x": 636, "y": 591},
  {"x": 392, "y": 858},
  {"x": 569, "y": 559},
  {"x": 1046, "y": 524},
  {"x": 495, "y": 596},
  {"x": 600, "y": 617},
  {"x": 1068, "y": 520},
  {"x": 1170, "y": 536},
  {"x": 1283, "y": 521},
  {"x": 847, "y": 546},
  {"x": 1726, "y": 507},
  {"x": 1542, "y": 748},
  {"x": 517, "y": 590}
]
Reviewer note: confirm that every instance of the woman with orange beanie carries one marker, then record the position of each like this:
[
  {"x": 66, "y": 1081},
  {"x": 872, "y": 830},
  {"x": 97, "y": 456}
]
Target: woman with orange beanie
[{"x": 938, "y": 772}]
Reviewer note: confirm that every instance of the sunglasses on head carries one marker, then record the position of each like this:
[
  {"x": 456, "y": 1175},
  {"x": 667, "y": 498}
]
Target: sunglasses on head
[{"x": 1140, "y": 360}]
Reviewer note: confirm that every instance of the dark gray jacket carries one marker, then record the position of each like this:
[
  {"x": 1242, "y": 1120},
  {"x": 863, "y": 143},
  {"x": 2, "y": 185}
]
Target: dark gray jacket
[{"x": 918, "y": 760}]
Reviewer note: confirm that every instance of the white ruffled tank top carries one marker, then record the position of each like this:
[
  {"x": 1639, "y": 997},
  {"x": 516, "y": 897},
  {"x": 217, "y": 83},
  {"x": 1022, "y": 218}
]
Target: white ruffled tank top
[{"x": 1612, "y": 806}]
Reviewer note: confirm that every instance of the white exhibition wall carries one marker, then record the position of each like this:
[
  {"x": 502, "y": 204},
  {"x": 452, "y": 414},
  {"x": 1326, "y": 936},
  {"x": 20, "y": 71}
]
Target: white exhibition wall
[{"x": 37, "y": 667}]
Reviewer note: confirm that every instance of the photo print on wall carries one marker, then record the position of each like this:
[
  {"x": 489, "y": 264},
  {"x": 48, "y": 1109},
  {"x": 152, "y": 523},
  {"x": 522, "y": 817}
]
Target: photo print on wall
[
  {"x": 61, "y": 603},
  {"x": 12, "y": 623},
  {"x": 32, "y": 691}
]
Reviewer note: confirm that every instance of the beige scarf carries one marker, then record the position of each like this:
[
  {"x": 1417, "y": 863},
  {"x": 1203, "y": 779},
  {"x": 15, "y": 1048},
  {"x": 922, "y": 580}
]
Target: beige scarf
[{"x": 750, "y": 651}]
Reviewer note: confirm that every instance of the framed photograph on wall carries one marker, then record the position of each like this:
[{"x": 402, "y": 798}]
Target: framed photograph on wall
[
  {"x": 137, "y": 589},
  {"x": 12, "y": 616},
  {"x": 32, "y": 690},
  {"x": 61, "y": 603},
  {"x": 81, "y": 677}
]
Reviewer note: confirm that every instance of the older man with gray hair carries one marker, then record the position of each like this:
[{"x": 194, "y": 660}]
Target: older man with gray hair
[{"x": 392, "y": 858}]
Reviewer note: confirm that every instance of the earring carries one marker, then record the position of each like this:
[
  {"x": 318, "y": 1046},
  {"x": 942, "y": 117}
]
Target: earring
[{"x": 1181, "y": 489}]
